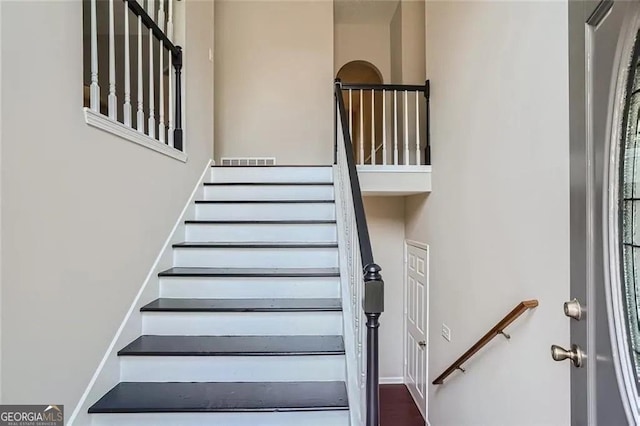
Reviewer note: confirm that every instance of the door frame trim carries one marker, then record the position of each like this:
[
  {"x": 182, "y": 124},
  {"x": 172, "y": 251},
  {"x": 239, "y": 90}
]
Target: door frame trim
[
  {"x": 616, "y": 312},
  {"x": 422, "y": 246}
]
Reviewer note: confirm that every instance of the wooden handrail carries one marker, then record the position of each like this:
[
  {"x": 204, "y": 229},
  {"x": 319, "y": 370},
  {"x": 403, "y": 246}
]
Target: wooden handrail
[{"x": 521, "y": 308}]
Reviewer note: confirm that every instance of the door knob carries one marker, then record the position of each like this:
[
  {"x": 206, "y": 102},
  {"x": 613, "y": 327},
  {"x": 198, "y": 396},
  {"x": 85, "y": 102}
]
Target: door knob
[
  {"x": 573, "y": 309},
  {"x": 422, "y": 344},
  {"x": 576, "y": 355}
]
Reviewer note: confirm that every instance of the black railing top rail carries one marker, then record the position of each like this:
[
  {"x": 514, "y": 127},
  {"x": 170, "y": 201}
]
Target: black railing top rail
[
  {"x": 148, "y": 22},
  {"x": 361, "y": 219},
  {"x": 399, "y": 87}
]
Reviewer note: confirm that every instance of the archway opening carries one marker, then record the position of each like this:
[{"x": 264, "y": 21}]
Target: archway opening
[{"x": 365, "y": 111}]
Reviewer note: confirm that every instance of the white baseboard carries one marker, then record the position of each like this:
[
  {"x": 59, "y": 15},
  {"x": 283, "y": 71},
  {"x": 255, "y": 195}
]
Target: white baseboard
[
  {"x": 107, "y": 374},
  {"x": 391, "y": 380}
]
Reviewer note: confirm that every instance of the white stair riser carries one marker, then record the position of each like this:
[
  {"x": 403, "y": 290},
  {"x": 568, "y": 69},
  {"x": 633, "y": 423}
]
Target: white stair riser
[
  {"x": 296, "y": 418},
  {"x": 263, "y": 232},
  {"x": 242, "y": 323},
  {"x": 272, "y": 174},
  {"x": 267, "y": 192},
  {"x": 249, "y": 288},
  {"x": 256, "y": 257},
  {"x": 266, "y": 211},
  {"x": 232, "y": 368}
]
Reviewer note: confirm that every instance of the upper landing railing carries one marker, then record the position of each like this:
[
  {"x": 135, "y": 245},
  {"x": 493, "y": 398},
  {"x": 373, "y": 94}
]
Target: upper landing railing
[
  {"x": 388, "y": 123},
  {"x": 135, "y": 69}
]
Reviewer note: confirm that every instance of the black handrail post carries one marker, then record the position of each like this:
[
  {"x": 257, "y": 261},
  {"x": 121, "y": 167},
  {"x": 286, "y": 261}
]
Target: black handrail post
[
  {"x": 177, "y": 64},
  {"x": 373, "y": 305},
  {"x": 427, "y": 148}
]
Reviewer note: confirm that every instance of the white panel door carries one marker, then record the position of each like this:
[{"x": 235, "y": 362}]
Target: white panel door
[{"x": 416, "y": 315}]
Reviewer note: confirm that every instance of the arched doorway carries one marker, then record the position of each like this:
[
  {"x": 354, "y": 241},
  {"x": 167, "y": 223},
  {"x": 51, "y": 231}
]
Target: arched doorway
[{"x": 366, "y": 127}]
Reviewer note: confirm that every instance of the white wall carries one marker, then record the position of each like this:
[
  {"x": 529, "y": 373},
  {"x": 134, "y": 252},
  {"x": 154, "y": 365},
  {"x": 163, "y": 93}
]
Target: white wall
[
  {"x": 497, "y": 221},
  {"x": 363, "y": 42},
  {"x": 413, "y": 41},
  {"x": 385, "y": 217},
  {"x": 274, "y": 80},
  {"x": 84, "y": 213}
]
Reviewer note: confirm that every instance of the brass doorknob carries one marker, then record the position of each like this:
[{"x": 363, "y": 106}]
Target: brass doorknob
[
  {"x": 422, "y": 344},
  {"x": 575, "y": 354},
  {"x": 573, "y": 309}
]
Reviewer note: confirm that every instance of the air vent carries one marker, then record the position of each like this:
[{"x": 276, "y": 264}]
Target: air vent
[{"x": 248, "y": 161}]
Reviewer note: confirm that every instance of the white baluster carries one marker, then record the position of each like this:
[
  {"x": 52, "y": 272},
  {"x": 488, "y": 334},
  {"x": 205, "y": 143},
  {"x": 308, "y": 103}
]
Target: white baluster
[
  {"x": 361, "y": 142},
  {"x": 406, "y": 128},
  {"x": 161, "y": 128},
  {"x": 112, "y": 100},
  {"x": 373, "y": 128},
  {"x": 170, "y": 21},
  {"x": 161, "y": 15},
  {"x": 351, "y": 115},
  {"x": 384, "y": 127},
  {"x": 152, "y": 111},
  {"x": 417, "y": 129},
  {"x": 94, "y": 88},
  {"x": 140, "y": 115},
  {"x": 395, "y": 127},
  {"x": 127, "y": 70},
  {"x": 171, "y": 76}
]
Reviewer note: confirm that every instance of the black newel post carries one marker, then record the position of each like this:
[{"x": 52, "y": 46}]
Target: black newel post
[
  {"x": 373, "y": 305},
  {"x": 177, "y": 64},
  {"x": 427, "y": 148}
]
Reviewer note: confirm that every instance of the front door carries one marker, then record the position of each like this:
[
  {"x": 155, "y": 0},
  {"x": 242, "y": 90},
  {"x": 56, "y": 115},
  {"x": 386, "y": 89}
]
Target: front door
[
  {"x": 604, "y": 105},
  {"x": 416, "y": 315}
]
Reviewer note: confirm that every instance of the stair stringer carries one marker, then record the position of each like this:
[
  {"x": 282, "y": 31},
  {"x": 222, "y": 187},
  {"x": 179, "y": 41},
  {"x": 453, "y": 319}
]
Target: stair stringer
[
  {"x": 355, "y": 393},
  {"x": 107, "y": 375}
]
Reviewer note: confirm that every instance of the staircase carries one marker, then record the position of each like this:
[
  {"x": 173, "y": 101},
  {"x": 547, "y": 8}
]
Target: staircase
[{"x": 248, "y": 329}]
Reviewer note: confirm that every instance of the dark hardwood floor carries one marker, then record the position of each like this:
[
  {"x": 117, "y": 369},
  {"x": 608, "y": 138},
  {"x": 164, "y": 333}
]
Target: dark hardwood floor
[{"x": 397, "y": 407}]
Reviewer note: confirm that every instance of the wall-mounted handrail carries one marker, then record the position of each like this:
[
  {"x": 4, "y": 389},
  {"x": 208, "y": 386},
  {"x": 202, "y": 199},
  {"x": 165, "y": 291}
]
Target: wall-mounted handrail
[{"x": 521, "y": 308}]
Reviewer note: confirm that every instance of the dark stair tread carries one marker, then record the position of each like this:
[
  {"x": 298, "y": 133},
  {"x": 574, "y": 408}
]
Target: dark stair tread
[
  {"x": 268, "y": 184},
  {"x": 264, "y": 201},
  {"x": 259, "y": 222},
  {"x": 234, "y": 345},
  {"x": 256, "y": 244},
  {"x": 149, "y": 397},
  {"x": 251, "y": 272},
  {"x": 279, "y": 166},
  {"x": 242, "y": 305}
]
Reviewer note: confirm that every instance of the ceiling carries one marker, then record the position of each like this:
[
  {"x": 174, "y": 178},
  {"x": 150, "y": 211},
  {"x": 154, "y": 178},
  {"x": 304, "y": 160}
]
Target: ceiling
[{"x": 364, "y": 11}]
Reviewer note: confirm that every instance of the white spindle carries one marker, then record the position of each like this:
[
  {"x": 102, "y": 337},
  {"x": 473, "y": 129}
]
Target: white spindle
[
  {"x": 351, "y": 115},
  {"x": 361, "y": 141},
  {"x": 417, "y": 128},
  {"x": 373, "y": 128},
  {"x": 112, "y": 100},
  {"x": 384, "y": 127},
  {"x": 94, "y": 88},
  {"x": 170, "y": 21},
  {"x": 152, "y": 111},
  {"x": 406, "y": 127},
  {"x": 161, "y": 15},
  {"x": 140, "y": 115},
  {"x": 161, "y": 128},
  {"x": 127, "y": 70},
  {"x": 395, "y": 127}
]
